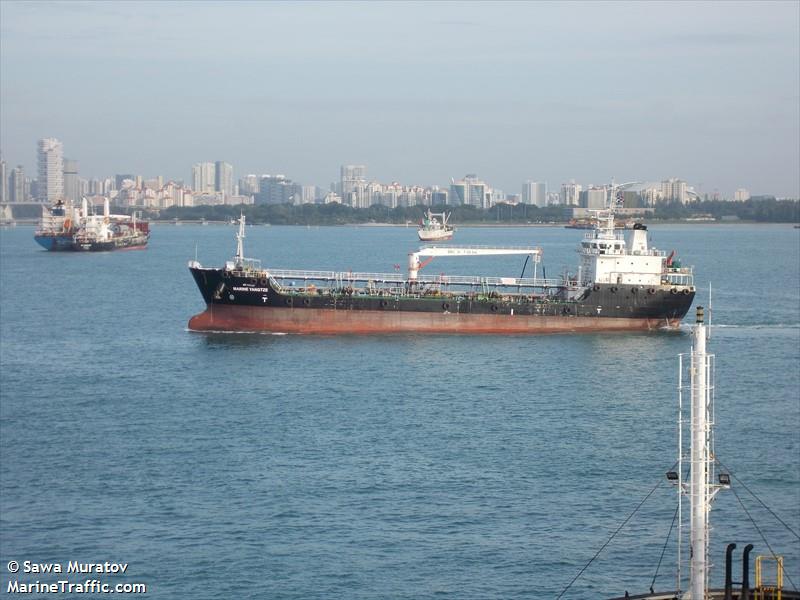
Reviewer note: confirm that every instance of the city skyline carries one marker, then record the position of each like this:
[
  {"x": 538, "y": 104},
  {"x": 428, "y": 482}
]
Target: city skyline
[
  {"x": 213, "y": 183},
  {"x": 419, "y": 92}
]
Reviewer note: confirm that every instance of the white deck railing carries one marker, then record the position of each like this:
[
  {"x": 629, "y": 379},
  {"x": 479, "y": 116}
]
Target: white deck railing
[{"x": 400, "y": 278}]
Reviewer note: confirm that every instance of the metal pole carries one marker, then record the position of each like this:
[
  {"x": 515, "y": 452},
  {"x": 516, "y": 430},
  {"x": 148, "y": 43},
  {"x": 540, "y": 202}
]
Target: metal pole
[
  {"x": 680, "y": 470},
  {"x": 699, "y": 455}
]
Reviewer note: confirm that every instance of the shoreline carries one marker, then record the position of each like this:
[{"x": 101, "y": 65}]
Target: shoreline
[
  {"x": 172, "y": 222},
  {"x": 475, "y": 225}
]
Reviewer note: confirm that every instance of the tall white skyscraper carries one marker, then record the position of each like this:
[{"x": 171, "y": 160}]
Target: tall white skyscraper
[
  {"x": 741, "y": 195},
  {"x": 353, "y": 185},
  {"x": 571, "y": 193},
  {"x": 50, "y": 185},
  {"x": 203, "y": 178},
  {"x": 674, "y": 190},
  {"x": 309, "y": 194}
]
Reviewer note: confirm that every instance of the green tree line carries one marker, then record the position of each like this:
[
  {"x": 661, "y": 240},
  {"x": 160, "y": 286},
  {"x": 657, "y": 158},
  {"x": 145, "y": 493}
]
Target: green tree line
[{"x": 762, "y": 210}]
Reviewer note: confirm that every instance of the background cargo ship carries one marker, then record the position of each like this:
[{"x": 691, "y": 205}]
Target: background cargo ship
[
  {"x": 67, "y": 228},
  {"x": 620, "y": 285}
]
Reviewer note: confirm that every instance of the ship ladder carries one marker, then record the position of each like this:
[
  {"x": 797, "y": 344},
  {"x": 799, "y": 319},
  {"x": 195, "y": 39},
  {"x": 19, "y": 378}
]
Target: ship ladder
[{"x": 769, "y": 591}]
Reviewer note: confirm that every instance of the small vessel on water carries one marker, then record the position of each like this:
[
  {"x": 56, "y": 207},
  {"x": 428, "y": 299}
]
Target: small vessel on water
[
  {"x": 592, "y": 224},
  {"x": 581, "y": 224},
  {"x": 620, "y": 285},
  {"x": 66, "y": 228},
  {"x": 434, "y": 227}
]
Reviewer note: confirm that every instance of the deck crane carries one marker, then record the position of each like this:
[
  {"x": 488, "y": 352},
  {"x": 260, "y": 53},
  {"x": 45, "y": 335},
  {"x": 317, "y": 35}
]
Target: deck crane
[{"x": 414, "y": 264}]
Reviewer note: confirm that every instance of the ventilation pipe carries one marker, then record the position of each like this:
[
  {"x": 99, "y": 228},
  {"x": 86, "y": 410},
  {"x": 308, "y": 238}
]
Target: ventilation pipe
[
  {"x": 728, "y": 576},
  {"x": 745, "y": 595}
]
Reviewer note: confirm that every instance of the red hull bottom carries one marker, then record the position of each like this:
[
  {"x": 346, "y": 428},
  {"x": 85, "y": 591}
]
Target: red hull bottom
[{"x": 329, "y": 321}]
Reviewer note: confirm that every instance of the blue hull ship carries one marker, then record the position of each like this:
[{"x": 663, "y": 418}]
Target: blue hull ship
[{"x": 54, "y": 242}]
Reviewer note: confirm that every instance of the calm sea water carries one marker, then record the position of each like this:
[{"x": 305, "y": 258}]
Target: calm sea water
[{"x": 264, "y": 466}]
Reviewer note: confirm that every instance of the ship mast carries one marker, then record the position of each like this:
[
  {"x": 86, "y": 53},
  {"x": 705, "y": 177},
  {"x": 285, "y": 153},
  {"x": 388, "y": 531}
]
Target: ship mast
[
  {"x": 239, "y": 258},
  {"x": 701, "y": 489}
]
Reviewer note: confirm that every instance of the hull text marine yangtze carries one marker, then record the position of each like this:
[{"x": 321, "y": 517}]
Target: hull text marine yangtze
[{"x": 621, "y": 285}]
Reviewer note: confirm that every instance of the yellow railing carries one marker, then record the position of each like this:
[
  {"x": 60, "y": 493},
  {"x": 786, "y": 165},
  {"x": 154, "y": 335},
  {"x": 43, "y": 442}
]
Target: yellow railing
[{"x": 772, "y": 590}]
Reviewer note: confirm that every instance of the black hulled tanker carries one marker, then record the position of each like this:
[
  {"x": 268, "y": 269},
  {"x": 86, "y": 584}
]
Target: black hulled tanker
[{"x": 621, "y": 285}]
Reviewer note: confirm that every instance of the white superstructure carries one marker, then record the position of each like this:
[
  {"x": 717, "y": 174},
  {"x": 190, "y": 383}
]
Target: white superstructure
[{"x": 608, "y": 258}]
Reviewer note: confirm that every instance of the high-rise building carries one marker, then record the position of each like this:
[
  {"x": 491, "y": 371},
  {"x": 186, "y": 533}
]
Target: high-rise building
[
  {"x": 594, "y": 198},
  {"x": 223, "y": 178},
  {"x": 71, "y": 183},
  {"x": 277, "y": 189},
  {"x": 249, "y": 185},
  {"x": 119, "y": 180},
  {"x": 3, "y": 181},
  {"x": 527, "y": 192},
  {"x": 50, "y": 185},
  {"x": 203, "y": 178},
  {"x": 308, "y": 194},
  {"x": 352, "y": 177},
  {"x": 570, "y": 193},
  {"x": 629, "y": 199},
  {"x": 673, "y": 190},
  {"x": 438, "y": 196},
  {"x": 470, "y": 190},
  {"x": 534, "y": 192},
  {"x": 155, "y": 183},
  {"x": 17, "y": 185},
  {"x": 741, "y": 195}
]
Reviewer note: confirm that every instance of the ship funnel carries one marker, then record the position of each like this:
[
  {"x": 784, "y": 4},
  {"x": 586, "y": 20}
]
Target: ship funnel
[
  {"x": 413, "y": 266},
  {"x": 106, "y": 211},
  {"x": 638, "y": 240},
  {"x": 85, "y": 207}
]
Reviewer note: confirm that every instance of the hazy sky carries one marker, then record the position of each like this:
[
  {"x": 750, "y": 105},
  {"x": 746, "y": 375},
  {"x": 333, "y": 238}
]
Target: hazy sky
[{"x": 419, "y": 92}]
